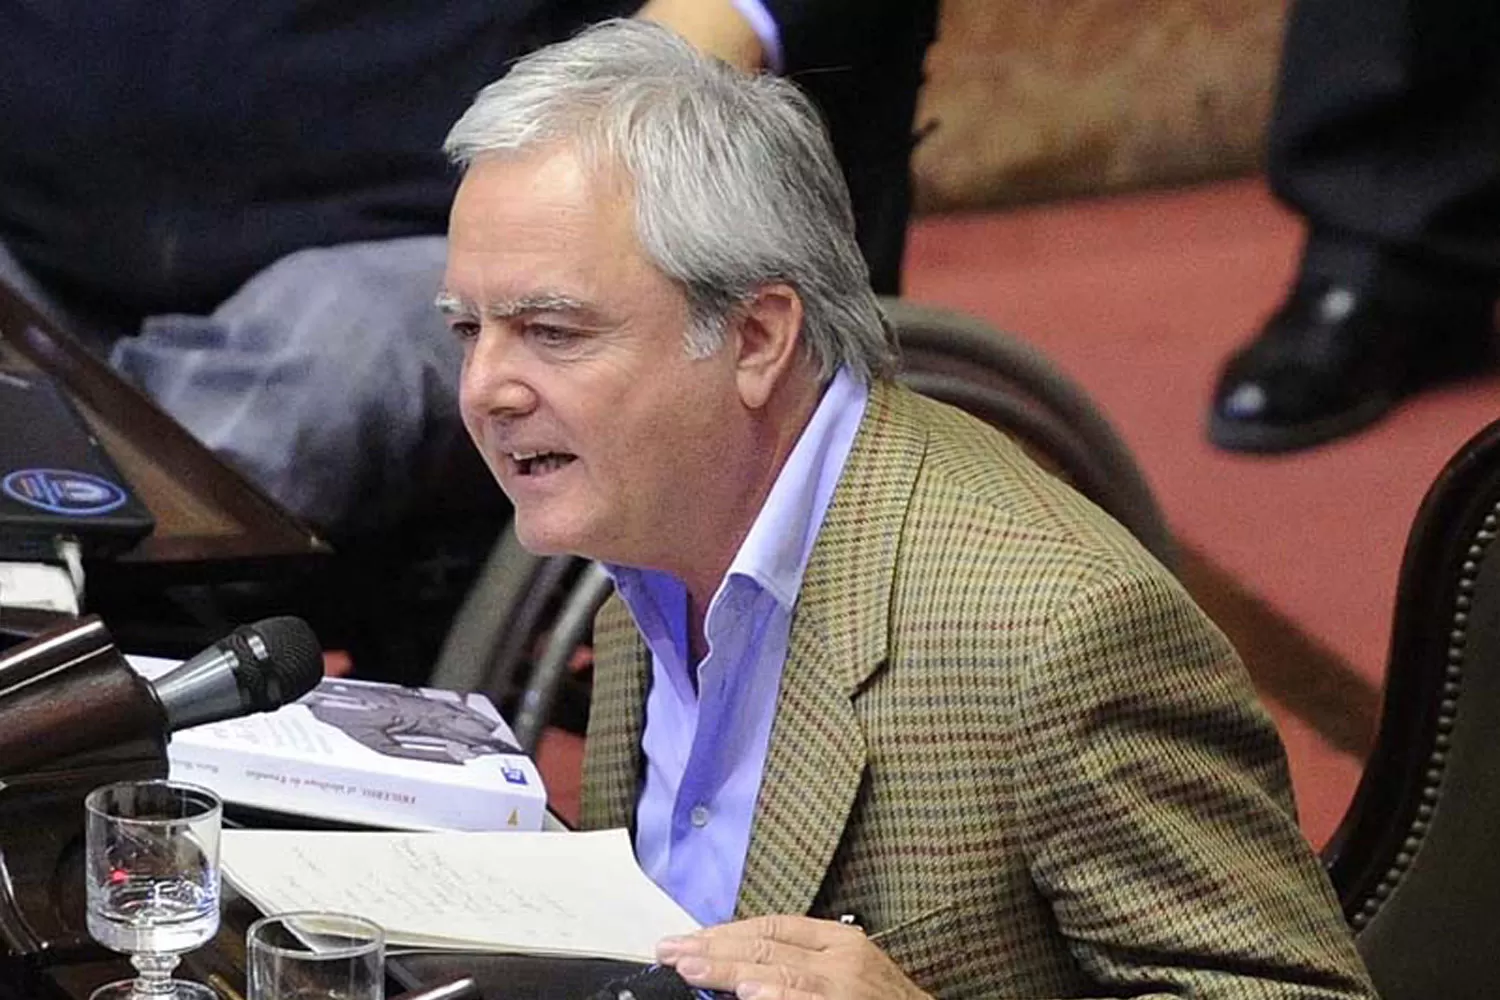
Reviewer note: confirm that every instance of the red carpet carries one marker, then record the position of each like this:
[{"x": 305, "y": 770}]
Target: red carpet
[{"x": 1140, "y": 298}]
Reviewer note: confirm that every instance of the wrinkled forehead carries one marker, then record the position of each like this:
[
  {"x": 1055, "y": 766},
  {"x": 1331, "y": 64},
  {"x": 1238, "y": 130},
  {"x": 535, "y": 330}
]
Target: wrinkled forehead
[
  {"x": 538, "y": 218},
  {"x": 505, "y": 199},
  {"x": 589, "y": 159}
]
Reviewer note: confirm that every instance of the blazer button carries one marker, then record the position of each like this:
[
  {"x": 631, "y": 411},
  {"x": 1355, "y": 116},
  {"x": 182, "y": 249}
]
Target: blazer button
[{"x": 699, "y": 816}]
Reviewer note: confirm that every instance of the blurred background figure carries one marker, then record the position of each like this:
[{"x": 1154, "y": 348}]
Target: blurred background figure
[
  {"x": 243, "y": 206},
  {"x": 1386, "y": 138}
]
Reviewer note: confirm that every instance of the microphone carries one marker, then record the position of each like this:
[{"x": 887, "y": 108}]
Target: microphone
[
  {"x": 75, "y": 715},
  {"x": 656, "y": 982},
  {"x": 256, "y": 668},
  {"x": 69, "y": 691}
]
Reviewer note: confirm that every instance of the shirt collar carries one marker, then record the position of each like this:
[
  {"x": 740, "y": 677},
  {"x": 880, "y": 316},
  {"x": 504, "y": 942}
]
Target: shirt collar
[{"x": 775, "y": 552}]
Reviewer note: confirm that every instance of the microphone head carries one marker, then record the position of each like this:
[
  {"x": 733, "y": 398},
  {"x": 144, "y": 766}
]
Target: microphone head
[{"x": 282, "y": 661}]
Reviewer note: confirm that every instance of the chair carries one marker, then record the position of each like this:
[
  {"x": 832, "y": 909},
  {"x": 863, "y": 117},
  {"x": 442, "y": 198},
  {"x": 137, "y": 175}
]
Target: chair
[
  {"x": 947, "y": 356},
  {"x": 1008, "y": 383},
  {"x": 496, "y": 627},
  {"x": 1414, "y": 861}
]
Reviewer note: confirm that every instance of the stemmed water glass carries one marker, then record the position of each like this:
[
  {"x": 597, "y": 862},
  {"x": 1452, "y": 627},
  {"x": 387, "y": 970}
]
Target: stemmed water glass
[{"x": 152, "y": 860}]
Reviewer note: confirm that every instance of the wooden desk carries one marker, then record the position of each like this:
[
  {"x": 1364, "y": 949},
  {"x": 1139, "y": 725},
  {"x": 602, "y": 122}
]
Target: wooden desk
[
  {"x": 211, "y": 522},
  {"x": 220, "y": 964}
]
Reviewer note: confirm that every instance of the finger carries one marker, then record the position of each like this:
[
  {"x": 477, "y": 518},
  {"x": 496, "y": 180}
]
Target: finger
[
  {"x": 770, "y": 991},
  {"x": 727, "y": 974},
  {"x": 805, "y": 932},
  {"x": 742, "y": 949}
]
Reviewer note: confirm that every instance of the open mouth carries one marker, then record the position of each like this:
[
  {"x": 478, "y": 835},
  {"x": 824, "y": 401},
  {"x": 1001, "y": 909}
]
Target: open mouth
[{"x": 539, "y": 463}]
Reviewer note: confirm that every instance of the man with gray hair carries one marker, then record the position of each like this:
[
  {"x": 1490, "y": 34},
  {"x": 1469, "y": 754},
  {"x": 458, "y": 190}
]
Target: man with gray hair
[{"x": 890, "y": 710}]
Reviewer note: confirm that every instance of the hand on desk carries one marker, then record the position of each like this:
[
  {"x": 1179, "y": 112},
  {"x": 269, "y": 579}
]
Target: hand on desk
[{"x": 788, "y": 958}]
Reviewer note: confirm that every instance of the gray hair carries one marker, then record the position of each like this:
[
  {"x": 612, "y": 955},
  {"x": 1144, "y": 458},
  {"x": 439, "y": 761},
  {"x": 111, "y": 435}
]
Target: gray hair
[{"x": 734, "y": 179}]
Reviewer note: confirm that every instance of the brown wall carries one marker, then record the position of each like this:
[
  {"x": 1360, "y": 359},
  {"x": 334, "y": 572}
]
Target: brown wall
[{"x": 1036, "y": 99}]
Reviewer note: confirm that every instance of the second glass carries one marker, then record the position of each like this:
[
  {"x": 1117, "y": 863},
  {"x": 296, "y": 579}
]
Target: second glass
[{"x": 315, "y": 956}]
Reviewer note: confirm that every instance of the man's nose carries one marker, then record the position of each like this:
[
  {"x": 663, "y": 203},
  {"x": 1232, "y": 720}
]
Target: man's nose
[{"x": 494, "y": 377}]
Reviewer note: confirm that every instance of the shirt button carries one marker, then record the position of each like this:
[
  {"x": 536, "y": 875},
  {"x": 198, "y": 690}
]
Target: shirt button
[{"x": 699, "y": 816}]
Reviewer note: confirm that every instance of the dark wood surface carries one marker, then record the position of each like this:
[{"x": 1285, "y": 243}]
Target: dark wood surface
[
  {"x": 73, "y": 716},
  {"x": 220, "y": 964},
  {"x": 208, "y": 516}
]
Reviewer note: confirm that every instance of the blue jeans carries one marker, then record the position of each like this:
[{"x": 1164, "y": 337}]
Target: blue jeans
[{"x": 328, "y": 378}]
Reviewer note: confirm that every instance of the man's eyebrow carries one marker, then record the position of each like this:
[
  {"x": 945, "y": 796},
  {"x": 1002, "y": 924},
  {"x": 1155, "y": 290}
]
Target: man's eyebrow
[{"x": 452, "y": 305}]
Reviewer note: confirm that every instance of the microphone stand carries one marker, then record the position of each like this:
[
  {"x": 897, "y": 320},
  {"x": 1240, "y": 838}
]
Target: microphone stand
[{"x": 73, "y": 716}]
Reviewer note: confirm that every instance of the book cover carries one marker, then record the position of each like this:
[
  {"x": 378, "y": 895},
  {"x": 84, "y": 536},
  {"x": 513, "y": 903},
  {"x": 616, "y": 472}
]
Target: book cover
[{"x": 369, "y": 753}]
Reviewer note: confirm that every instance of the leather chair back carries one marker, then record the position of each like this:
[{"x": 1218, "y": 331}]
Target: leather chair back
[
  {"x": 1416, "y": 861},
  {"x": 1003, "y": 380}
]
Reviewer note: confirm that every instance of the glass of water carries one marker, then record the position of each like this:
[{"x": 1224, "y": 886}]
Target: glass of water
[
  {"x": 312, "y": 955},
  {"x": 152, "y": 861}
]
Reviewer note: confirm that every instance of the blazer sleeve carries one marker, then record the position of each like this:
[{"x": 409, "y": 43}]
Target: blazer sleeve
[{"x": 1156, "y": 810}]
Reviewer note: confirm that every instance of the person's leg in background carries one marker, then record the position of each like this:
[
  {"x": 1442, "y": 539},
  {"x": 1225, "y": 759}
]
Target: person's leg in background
[
  {"x": 867, "y": 90},
  {"x": 1386, "y": 138},
  {"x": 329, "y": 379}
]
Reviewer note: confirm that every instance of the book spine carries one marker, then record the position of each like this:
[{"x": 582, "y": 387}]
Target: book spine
[{"x": 287, "y": 784}]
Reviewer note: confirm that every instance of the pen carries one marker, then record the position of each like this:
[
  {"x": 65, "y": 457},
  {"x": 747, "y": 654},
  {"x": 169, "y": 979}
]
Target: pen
[
  {"x": 853, "y": 920},
  {"x": 221, "y": 986}
]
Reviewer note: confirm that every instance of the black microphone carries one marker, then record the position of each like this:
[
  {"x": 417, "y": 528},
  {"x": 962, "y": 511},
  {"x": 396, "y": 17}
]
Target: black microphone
[
  {"x": 69, "y": 691},
  {"x": 657, "y": 982},
  {"x": 256, "y": 668}
]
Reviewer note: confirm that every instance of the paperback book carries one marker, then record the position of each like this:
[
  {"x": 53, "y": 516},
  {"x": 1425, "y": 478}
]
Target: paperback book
[{"x": 368, "y": 754}]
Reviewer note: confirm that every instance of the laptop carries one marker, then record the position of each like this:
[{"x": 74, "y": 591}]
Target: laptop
[{"x": 55, "y": 478}]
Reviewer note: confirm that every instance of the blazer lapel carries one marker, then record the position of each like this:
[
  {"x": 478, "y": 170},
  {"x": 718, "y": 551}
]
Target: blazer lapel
[
  {"x": 612, "y": 752},
  {"x": 839, "y": 638}
]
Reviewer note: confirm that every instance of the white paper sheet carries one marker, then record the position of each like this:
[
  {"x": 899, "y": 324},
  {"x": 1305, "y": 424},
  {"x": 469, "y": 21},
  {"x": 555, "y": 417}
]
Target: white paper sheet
[{"x": 546, "y": 893}]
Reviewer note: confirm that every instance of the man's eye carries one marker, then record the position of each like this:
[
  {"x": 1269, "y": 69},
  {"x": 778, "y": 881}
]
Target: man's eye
[
  {"x": 463, "y": 330},
  {"x": 551, "y": 336}
]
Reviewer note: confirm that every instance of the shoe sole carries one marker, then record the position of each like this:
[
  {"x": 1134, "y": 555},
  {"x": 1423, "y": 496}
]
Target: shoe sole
[{"x": 1232, "y": 435}]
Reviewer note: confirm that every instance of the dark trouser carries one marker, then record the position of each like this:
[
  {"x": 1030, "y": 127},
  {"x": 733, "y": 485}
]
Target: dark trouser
[
  {"x": 869, "y": 104},
  {"x": 1386, "y": 137}
]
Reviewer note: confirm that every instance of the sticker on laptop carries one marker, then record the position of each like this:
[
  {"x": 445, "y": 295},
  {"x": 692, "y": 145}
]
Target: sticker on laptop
[{"x": 64, "y": 491}]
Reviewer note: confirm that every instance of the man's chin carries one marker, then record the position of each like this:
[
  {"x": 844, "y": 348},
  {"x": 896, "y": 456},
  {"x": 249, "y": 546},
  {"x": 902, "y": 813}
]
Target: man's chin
[{"x": 544, "y": 540}]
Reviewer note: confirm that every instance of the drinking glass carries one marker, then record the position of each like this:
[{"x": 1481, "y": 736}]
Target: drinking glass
[
  {"x": 152, "y": 862},
  {"x": 311, "y": 955}
]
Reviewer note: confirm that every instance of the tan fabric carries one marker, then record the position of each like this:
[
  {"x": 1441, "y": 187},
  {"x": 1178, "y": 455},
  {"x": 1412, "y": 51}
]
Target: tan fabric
[{"x": 1008, "y": 740}]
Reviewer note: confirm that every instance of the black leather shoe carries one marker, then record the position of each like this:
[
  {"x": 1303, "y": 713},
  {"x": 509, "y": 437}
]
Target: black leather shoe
[{"x": 1333, "y": 360}]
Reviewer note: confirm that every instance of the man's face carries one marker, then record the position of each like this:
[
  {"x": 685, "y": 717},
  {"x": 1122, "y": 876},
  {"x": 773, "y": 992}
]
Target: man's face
[{"x": 576, "y": 384}]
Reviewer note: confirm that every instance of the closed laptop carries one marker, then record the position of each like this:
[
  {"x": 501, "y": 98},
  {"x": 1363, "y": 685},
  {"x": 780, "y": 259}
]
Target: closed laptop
[{"x": 55, "y": 478}]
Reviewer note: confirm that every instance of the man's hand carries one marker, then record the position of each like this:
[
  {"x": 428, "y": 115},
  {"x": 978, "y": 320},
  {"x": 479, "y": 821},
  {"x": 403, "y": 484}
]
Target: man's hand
[
  {"x": 788, "y": 958},
  {"x": 713, "y": 26}
]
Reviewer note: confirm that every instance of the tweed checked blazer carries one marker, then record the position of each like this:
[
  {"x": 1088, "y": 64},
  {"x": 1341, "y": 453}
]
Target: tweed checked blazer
[{"x": 1009, "y": 741}]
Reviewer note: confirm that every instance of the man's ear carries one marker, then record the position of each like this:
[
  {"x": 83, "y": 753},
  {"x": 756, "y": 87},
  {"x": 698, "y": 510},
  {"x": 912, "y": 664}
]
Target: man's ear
[{"x": 767, "y": 335}]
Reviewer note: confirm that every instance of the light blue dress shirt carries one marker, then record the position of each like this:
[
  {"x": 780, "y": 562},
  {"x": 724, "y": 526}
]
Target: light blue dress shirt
[{"x": 705, "y": 748}]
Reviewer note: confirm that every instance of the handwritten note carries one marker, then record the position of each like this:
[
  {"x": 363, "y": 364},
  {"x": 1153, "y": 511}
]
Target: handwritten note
[{"x": 549, "y": 893}]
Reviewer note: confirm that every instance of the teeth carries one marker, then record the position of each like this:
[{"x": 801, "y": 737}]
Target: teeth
[{"x": 532, "y": 463}]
